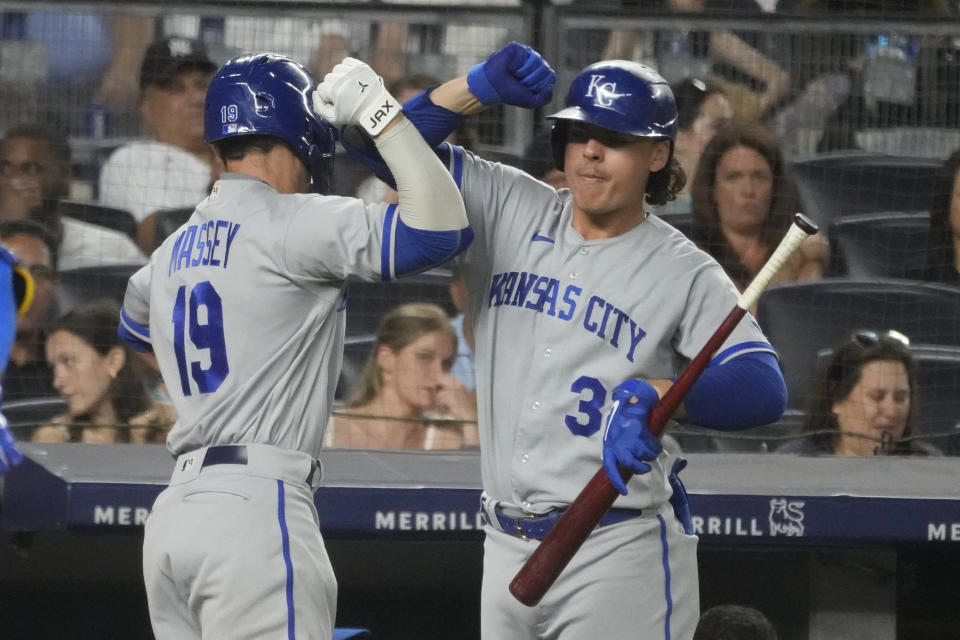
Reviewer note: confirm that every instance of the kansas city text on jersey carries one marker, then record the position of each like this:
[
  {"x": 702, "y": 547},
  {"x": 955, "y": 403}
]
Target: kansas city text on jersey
[
  {"x": 206, "y": 244},
  {"x": 542, "y": 294}
]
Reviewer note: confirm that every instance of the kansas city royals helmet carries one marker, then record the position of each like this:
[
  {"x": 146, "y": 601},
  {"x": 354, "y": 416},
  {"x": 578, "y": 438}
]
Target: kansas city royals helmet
[
  {"x": 619, "y": 95},
  {"x": 269, "y": 94}
]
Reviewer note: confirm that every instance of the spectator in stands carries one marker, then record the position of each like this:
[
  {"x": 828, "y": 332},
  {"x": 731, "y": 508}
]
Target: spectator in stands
[
  {"x": 734, "y": 622},
  {"x": 406, "y": 397},
  {"x": 34, "y": 178},
  {"x": 943, "y": 253},
  {"x": 28, "y": 375},
  {"x": 702, "y": 108},
  {"x": 743, "y": 203},
  {"x": 106, "y": 387},
  {"x": 177, "y": 167},
  {"x": 863, "y": 400},
  {"x": 754, "y": 83}
]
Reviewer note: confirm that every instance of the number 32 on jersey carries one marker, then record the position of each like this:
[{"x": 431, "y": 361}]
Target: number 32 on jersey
[{"x": 198, "y": 317}]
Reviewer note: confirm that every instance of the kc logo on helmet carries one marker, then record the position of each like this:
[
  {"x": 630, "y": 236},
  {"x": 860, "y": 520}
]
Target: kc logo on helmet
[{"x": 603, "y": 93}]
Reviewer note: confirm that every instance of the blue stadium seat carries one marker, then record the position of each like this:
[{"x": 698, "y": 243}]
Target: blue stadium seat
[
  {"x": 343, "y": 633},
  {"x": 890, "y": 244},
  {"x": 801, "y": 319},
  {"x": 841, "y": 183},
  {"x": 87, "y": 283}
]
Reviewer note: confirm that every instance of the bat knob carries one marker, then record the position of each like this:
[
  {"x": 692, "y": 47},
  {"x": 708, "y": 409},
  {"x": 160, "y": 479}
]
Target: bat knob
[{"x": 806, "y": 225}]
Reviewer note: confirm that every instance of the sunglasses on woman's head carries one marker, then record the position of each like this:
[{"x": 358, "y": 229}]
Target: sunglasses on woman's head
[{"x": 867, "y": 338}]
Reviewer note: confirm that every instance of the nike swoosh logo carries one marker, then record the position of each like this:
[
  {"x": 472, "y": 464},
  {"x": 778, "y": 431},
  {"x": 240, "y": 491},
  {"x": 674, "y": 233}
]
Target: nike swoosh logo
[{"x": 538, "y": 237}]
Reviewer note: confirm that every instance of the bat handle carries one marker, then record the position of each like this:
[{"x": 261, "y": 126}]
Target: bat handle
[{"x": 542, "y": 567}]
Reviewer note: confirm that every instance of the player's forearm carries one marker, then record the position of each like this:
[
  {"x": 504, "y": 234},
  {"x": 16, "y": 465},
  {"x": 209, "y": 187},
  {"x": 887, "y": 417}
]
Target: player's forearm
[
  {"x": 428, "y": 197},
  {"x": 455, "y": 95}
]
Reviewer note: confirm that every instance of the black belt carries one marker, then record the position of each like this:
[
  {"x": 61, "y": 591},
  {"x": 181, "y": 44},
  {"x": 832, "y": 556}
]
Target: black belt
[
  {"x": 237, "y": 454},
  {"x": 537, "y": 527},
  {"x": 225, "y": 454}
]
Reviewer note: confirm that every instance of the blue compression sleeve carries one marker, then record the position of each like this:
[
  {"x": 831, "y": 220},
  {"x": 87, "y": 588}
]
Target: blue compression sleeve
[
  {"x": 418, "y": 249},
  {"x": 434, "y": 124},
  {"x": 746, "y": 391}
]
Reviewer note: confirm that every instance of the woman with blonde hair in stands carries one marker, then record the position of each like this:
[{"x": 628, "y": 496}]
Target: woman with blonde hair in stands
[
  {"x": 105, "y": 386},
  {"x": 406, "y": 397}
]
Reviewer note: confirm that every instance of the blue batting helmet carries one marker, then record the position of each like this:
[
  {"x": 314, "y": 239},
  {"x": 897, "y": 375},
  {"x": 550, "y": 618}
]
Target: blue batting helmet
[
  {"x": 269, "y": 94},
  {"x": 619, "y": 95}
]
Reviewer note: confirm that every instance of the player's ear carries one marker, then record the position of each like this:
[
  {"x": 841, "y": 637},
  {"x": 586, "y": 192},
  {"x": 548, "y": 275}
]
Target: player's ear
[{"x": 660, "y": 155}]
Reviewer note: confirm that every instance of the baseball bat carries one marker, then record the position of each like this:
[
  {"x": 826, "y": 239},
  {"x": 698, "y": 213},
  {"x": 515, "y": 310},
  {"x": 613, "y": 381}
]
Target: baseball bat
[{"x": 581, "y": 517}]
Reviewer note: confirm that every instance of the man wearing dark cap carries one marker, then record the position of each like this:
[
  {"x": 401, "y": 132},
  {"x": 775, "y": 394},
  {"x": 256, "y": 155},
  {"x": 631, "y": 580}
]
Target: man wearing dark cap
[{"x": 176, "y": 167}]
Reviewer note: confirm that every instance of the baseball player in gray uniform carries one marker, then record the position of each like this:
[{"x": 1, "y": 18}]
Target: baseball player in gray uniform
[
  {"x": 585, "y": 307},
  {"x": 243, "y": 309}
]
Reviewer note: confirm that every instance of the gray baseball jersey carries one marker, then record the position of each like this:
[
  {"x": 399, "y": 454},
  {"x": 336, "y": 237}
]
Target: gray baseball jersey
[
  {"x": 560, "y": 321},
  {"x": 245, "y": 303}
]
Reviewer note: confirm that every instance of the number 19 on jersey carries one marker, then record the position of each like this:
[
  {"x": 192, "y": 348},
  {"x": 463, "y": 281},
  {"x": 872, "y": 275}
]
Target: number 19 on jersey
[{"x": 199, "y": 319}]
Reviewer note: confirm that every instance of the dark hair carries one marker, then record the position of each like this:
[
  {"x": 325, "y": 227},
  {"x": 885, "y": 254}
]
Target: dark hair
[
  {"x": 734, "y": 622},
  {"x": 56, "y": 140},
  {"x": 26, "y": 227},
  {"x": 237, "y": 147},
  {"x": 96, "y": 323},
  {"x": 690, "y": 94},
  {"x": 941, "y": 259},
  {"x": 841, "y": 373},
  {"x": 706, "y": 228},
  {"x": 663, "y": 185}
]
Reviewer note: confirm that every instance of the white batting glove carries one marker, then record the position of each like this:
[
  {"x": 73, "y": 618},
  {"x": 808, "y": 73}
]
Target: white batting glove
[{"x": 352, "y": 93}]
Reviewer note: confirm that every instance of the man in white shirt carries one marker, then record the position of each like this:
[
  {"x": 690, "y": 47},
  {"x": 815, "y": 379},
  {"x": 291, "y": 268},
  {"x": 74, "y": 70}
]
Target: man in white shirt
[
  {"x": 34, "y": 177},
  {"x": 176, "y": 168}
]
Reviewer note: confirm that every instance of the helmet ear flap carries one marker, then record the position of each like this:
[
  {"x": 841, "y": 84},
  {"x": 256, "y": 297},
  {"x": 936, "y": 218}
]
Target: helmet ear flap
[{"x": 558, "y": 142}]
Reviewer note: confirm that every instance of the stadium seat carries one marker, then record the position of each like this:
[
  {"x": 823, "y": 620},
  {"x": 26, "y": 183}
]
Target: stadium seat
[
  {"x": 355, "y": 351},
  {"x": 98, "y": 214},
  {"x": 88, "y": 283},
  {"x": 367, "y": 302},
  {"x": 841, "y": 183},
  {"x": 762, "y": 439},
  {"x": 29, "y": 413},
  {"x": 938, "y": 397},
  {"x": 167, "y": 221},
  {"x": 801, "y": 319},
  {"x": 890, "y": 244},
  {"x": 683, "y": 221},
  {"x": 343, "y": 633}
]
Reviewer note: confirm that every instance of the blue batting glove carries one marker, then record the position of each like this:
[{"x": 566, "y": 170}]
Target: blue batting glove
[
  {"x": 10, "y": 456},
  {"x": 516, "y": 75},
  {"x": 627, "y": 440}
]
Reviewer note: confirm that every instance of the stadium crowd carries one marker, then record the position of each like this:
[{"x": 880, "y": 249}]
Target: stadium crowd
[{"x": 127, "y": 91}]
